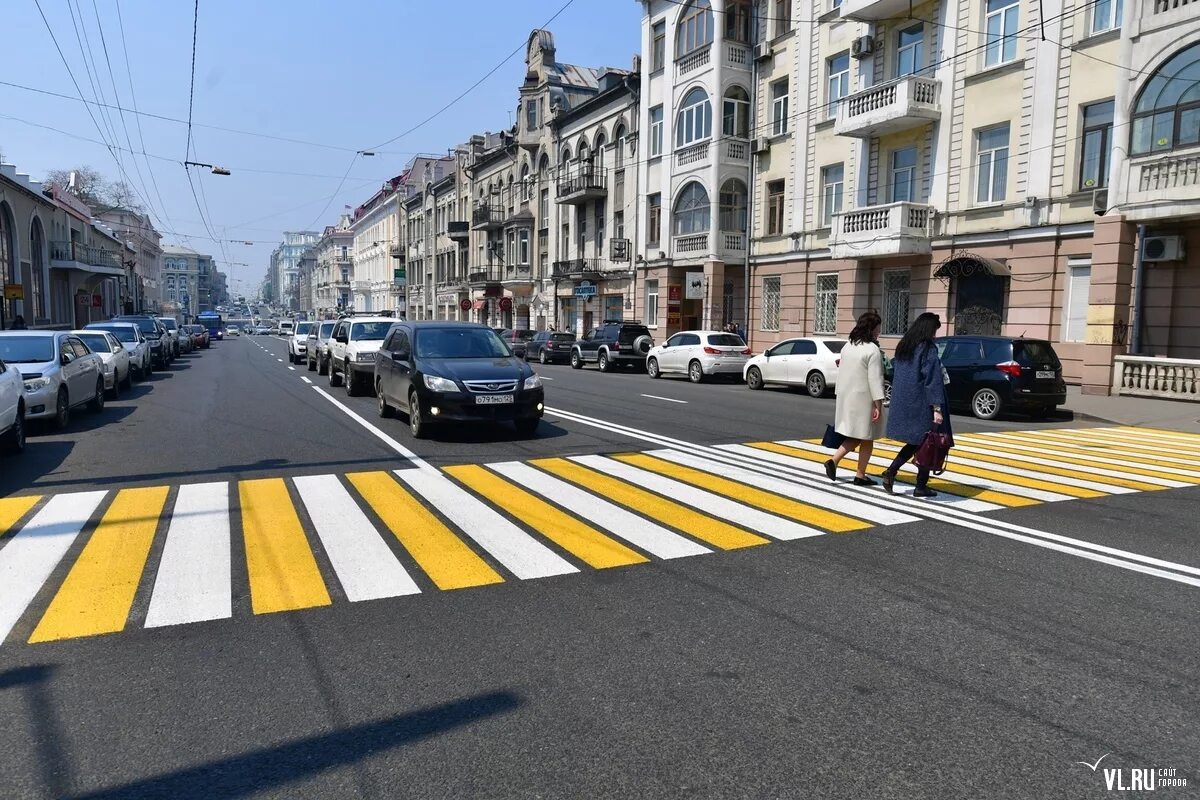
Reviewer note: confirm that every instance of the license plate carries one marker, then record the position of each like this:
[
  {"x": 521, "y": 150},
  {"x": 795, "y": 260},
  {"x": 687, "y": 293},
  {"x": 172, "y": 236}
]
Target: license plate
[
  {"x": 1045, "y": 375},
  {"x": 492, "y": 399}
]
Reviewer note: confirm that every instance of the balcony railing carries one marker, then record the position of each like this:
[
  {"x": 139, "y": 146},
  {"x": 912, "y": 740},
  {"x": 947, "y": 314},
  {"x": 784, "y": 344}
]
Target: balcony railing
[
  {"x": 518, "y": 273},
  {"x": 737, "y": 55},
  {"x": 483, "y": 277},
  {"x": 737, "y": 150},
  {"x": 898, "y": 105},
  {"x": 692, "y": 155},
  {"x": 588, "y": 184},
  {"x": 574, "y": 268},
  {"x": 1163, "y": 185},
  {"x": 893, "y": 229},
  {"x": 691, "y": 244},
  {"x": 458, "y": 231},
  {"x": 84, "y": 254},
  {"x": 733, "y": 241},
  {"x": 692, "y": 61},
  {"x": 487, "y": 217},
  {"x": 1169, "y": 378}
]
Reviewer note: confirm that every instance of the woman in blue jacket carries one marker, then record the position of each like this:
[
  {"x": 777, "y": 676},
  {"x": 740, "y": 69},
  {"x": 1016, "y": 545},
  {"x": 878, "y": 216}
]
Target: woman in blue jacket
[{"x": 918, "y": 398}]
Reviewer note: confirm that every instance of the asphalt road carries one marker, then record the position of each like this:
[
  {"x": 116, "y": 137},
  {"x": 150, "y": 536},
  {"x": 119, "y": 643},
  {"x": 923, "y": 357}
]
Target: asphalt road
[{"x": 967, "y": 654}]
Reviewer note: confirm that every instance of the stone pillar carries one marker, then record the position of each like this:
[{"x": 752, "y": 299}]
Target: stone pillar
[
  {"x": 1109, "y": 297},
  {"x": 714, "y": 294}
]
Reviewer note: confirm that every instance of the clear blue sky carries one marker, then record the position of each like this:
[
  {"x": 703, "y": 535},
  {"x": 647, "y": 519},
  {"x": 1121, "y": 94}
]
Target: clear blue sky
[{"x": 346, "y": 74}]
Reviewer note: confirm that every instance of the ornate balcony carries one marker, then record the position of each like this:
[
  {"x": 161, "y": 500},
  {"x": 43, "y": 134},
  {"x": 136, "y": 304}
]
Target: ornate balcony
[
  {"x": 483, "y": 277},
  {"x": 894, "y": 229},
  {"x": 693, "y": 61},
  {"x": 690, "y": 246},
  {"x": 518, "y": 275},
  {"x": 588, "y": 184},
  {"x": 737, "y": 150},
  {"x": 738, "y": 56},
  {"x": 1162, "y": 186},
  {"x": 79, "y": 253},
  {"x": 576, "y": 269},
  {"x": 898, "y": 105},
  {"x": 693, "y": 156},
  {"x": 486, "y": 217},
  {"x": 458, "y": 231}
]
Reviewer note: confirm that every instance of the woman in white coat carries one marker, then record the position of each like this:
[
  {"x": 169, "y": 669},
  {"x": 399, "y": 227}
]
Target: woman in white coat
[{"x": 859, "y": 410}]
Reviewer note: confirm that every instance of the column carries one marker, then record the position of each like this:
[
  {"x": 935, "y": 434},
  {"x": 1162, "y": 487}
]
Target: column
[
  {"x": 1108, "y": 301},
  {"x": 714, "y": 294}
]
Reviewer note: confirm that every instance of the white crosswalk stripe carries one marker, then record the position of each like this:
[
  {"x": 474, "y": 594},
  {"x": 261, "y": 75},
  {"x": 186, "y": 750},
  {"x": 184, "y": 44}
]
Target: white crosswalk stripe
[{"x": 194, "y": 581}]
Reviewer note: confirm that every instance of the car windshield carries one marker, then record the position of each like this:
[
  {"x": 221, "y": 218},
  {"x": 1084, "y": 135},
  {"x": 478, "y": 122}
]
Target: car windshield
[
  {"x": 371, "y": 331},
  {"x": 96, "y": 342},
  {"x": 122, "y": 333},
  {"x": 146, "y": 326},
  {"x": 523, "y": 336},
  {"x": 169, "y": 324},
  {"x": 834, "y": 347},
  {"x": 327, "y": 329},
  {"x": 562, "y": 337},
  {"x": 460, "y": 343},
  {"x": 725, "y": 340},
  {"x": 26, "y": 349},
  {"x": 1035, "y": 354},
  {"x": 303, "y": 328}
]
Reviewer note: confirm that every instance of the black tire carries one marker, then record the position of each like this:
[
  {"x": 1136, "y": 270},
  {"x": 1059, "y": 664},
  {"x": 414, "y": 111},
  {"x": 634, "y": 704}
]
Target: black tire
[
  {"x": 116, "y": 390},
  {"x": 13, "y": 442},
  {"x": 62, "y": 410},
  {"x": 652, "y": 368},
  {"x": 416, "y": 426},
  {"x": 310, "y": 363},
  {"x": 350, "y": 380},
  {"x": 602, "y": 361},
  {"x": 96, "y": 404},
  {"x": 1041, "y": 412},
  {"x": 385, "y": 410},
  {"x": 322, "y": 366},
  {"x": 815, "y": 384},
  {"x": 695, "y": 372},
  {"x": 527, "y": 427},
  {"x": 754, "y": 378},
  {"x": 334, "y": 379},
  {"x": 986, "y": 404},
  {"x": 542, "y": 357},
  {"x": 576, "y": 360},
  {"x": 129, "y": 379}
]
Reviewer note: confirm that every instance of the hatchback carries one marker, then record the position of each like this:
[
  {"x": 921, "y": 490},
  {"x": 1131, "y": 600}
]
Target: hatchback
[
  {"x": 809, "y": 362},
  {"x": 991, "y": 374},
  {"x": 550, "y": 347}
]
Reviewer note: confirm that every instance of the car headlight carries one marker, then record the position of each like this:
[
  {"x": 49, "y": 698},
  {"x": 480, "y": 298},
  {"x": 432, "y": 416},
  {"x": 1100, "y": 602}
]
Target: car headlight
[
  {"x": 365, "y": 357},
  {"x": 533, "y": 382},
  {"x": 436, "y": 384},
  {"x": 36, "y": 384}
]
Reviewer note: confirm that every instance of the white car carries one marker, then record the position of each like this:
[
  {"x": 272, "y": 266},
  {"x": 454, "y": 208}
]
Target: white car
[
  {"x": 811, "y": 362},
  {"x": 59, "y": 371},
  {"x": 698, "y": 354},
  {"x": 135, "y": 344},
  {"x": 352, "y": 351},
  {"x": 118, "y": 372},
  {"x": 286, "y": 327},
  {"x": 298, "y": 342},
  {"x": 12, "y": 410}
]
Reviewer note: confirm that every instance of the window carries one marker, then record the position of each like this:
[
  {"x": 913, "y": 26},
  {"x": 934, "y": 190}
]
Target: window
[
  {"x": 838, "y": 68},
  {"x": 1167, "y": 112},
  {"x": 779, "y": 107},
  {"x": 733, "y": 206},
  {"x": 531, "y": 115},
  {"x": 37, "y": 243},
  {"x": 910, "y": 50},
  {"x": 656, "y": 131},
  {"x": 653, "y": 218},
  {"x": 651, "y": 303},
  {"x": 825, "y": 317},
  {"x": 544, "y": 209},
  {"x": 695, "y": 29},
  {"x": 523, "y": 247},
  {"x": 1096, "y": 145},
  {"x": 737, "y": 21},
  {"x": 1075, "y": 304},
  {"x": 1106, "y": 15},
  {"x": 600, "y": 228},
  {"x": 781, "y": 10},
  {"x": 619, "y": 224},
  {"x": 770, "y": 303},
  {"x": 658, "y": 46},
  {"x": 695, "y": 119},
  {"x": 896, "y": 289},
  {"x": 832, "y": 182},
  {"x": 619, "y": 147},
  {"x": 8, "y": 266},
  {"x": 904, "y": 174},
  {"x": 692, "y": 212},
  {"x": 804, "y": 347},
  {"x": 1001, "y": 27},
  {"x": 775, "y": 208},
  {"x": 735, "y": 113},
  {"x": 991, "y": 164}
]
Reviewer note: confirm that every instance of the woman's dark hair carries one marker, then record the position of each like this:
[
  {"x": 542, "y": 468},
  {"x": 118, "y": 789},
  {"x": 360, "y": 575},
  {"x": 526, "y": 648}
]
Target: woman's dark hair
[
  {"x": 864, "y": 331},
  {"x": 923, "y": 329}
]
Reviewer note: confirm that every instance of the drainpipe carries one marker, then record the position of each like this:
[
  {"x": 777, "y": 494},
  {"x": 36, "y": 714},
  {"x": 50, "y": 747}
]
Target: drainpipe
[
  {"x": 750, "y": 192},
  {"x": 1139, "y": 274}
]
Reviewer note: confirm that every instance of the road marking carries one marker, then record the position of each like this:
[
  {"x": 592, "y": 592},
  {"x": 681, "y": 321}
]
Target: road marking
[
  {"x": 668, "y": 399},
  {"x": 280, "y": 360},
  {"x": 1084, "y": 456},
  {"x": 293, "y": 369},
  {"x": 1060, "y": 438},
  {"x": 13, "y": 508},
  {"x": 283, "y": 572},
  {"x": 28, "y": 558},
  {"x": 417, "y": 461},
  {"x": 366, "y": 567},
  {"x": 194, "y": 578},
  {"x": 448, "y": 562},
  {"x": 306, "y": 380},
  {"x": 1129, "y": 477},
  {"x": 543, "y": 377},
  {"x": 98, "y": 592}
]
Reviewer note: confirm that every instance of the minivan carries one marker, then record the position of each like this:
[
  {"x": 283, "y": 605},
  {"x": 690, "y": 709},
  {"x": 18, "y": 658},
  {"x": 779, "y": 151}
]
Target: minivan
[{"x": 992, "y": 374}]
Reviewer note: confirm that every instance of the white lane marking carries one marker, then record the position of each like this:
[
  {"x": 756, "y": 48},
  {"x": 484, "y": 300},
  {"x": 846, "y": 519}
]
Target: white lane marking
[
  {"x": 543, "y": 377},
  {"x": 280, "y": 360},
  {"x": 194, "y": 580},
  {"x": 1189, "y": 440},
  {"x": 366, "y": 567},
  {"x": 668, "y": 399},
  {"x": 714, "y": 504},
  {"x": 383, "y": 437},
  {"x": 1023, "y": 445},
  {"x": 28, "y": 558},
  {"x": 306, "y": 380},
  {"x": 523, "y": 555},
  {"x": 1093, "y": 469},
  {"x": 638, "y": 531},
  {"x": 293, "y": 369}
]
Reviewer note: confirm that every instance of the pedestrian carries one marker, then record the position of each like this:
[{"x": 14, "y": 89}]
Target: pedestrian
[
  {"x": 858, "y": 413},
  {"x": 18, "y": 323},
  {"x": 918, "y": 399}
]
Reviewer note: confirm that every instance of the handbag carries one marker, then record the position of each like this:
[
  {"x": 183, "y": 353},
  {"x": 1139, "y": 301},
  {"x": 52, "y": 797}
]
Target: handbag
[
  {"x": 932, "y": 453},
  {"x": 832, "y": 439}
]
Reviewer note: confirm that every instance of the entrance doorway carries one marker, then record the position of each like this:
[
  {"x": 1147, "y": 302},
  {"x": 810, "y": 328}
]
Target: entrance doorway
[{"x": 979, "y": 304}]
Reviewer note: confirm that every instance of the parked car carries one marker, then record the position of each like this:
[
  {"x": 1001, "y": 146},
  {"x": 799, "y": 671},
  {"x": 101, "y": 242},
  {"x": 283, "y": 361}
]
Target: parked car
[
  {"x": 698, "y": 354},
  {"x": 810, "y": 362},
  {"x": 12, "y": 409},
  {"x": 135, "y": 344},
  {"x": 186, "y": 344},
  {"x": 156, "y": 335},
  {"x": 437, "y": 371},
  {"x": 991, "y": 374},
  {"x": 59, "y": 372},
  {"x": 352, "y": 352},
  {"x": 316, "y": 347},
  {"x": 173, "y": 333},
  {"x": 517, "y": 340},
  {"x": 298, "y": 342},
  {"x": 615, "y": 343},
  {"x": 287, "y": 327},
  {"x": 200, "y": 336},
  {"x": 550, "y": 347},
  {"x": 118, "y": 371}
]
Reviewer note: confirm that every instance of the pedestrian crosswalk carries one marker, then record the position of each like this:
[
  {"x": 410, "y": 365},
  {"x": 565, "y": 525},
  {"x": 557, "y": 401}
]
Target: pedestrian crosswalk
[{"x": 97, "y": 562}]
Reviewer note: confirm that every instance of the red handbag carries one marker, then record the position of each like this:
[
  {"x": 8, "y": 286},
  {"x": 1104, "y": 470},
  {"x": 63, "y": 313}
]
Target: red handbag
[{"x": 931, "y": 455}]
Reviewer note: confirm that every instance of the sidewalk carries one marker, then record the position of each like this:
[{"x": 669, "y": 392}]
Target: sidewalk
[{"x": 1144, "y": 411}]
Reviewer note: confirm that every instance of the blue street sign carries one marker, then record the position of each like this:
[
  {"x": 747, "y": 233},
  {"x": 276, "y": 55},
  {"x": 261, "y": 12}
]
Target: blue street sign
[{"x": 585, "y": 290}]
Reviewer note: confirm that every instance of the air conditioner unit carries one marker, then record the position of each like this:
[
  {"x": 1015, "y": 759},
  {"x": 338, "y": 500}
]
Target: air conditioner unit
[
  {"x": 762, "y": 144},
  {"x": 1100, "y": 202},
  {"x": 862, "y": 47},
  {"x": 1162, "y": 248},
  {"x": 763, "y": 51}
]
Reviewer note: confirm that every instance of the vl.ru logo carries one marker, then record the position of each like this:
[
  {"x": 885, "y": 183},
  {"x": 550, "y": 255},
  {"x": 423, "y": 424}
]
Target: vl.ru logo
[{"x": 1137, "y": 779}]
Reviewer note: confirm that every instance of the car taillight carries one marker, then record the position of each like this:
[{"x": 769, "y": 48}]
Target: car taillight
[
  {"x": 549, "y": 345},
  {"x": 616, "y": 345},
  {"x": 747, "y": 352},
  {"x": 712, "y": 351},
  {"x": 1010, "y": 368}
]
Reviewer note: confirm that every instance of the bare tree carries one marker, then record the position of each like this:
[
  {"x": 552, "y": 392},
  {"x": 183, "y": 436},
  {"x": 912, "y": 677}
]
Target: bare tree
[{"x": 93, "y": 188}]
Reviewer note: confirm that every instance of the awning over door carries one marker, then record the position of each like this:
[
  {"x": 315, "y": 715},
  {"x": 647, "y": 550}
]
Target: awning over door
[
  {"x": 478, "y": 304},
  {"x": 966, "y": 265}
]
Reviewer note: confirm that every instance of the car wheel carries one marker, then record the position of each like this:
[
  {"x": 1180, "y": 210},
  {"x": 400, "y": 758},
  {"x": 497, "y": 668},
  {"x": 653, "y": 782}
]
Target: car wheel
[
  {"x": 416, "y": 425},
  {"x": 311, "y": 364},
  {"x": 602, "y": 362},
  {"x": 815, "y": 384},
  {"x": 527, "y": 427},
  {"x": 986, "y": 404},
  {"x": 62, "y": 410},
  {"x": 129, "y": 379},
  {"x": 542, "y": 357},
  {"x": 576, "y": 360},
  {"x": 385, "y": 410},
  {"x": 116, "y": 390},
  {"x": 350, "y": 380},
  {"x": 96, "y": 405},
  {"x": 14, "y": 440},
  {"x": 334, "y": 379},
  {"x": 695, "y": 372},
  {"x": 754, "y": 378},
  {"x": 652, "y": 368}
]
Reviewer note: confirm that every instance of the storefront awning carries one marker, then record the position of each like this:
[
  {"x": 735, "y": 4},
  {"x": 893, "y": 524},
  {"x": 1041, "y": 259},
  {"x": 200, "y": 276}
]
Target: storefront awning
[
  {"x": 965, "y": 265},
  {"x": 478, "y": 304}
]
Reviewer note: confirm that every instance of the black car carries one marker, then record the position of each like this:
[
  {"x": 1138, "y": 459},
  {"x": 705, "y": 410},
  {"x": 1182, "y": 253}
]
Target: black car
[
  {"x": 517, "y": 340},
  {"x": 549, "y": 347},
  {"x": 991, "y": 374},
  {"x": 156, "y": 334},
  {"x": 440, "y": 372},
  {"x": 613, "y": 344}
]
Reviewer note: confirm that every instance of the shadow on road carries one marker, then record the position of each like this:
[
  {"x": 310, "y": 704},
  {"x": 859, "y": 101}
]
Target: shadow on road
[
  {"x": 40, "y": 458},
  {"x": 483, "y": 433},
  {"x": 45, "y": 731}
]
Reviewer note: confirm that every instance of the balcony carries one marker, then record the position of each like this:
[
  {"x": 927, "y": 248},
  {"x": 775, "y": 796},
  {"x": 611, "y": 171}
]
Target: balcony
[
  {"x": 738, "y": 56},
  {"x": 78, "y": 255},
  {"x": 874, "y": 10},
  {"x": 898, "y": 105},
  {"x": 483, "y": 278},
  {"x": 692, "y": 61},
  {"x": 343, "y": 258},
  {"x": 588, "y": 185},
  {"x": 487, "y": 217},
  {"x": 458, "y": 231},
  {"x": 737, "y": 150},
  {"x": 690, "y": 245},
  {"x": 576, "y": 269},
  {"x": 894, "y": 229},
  {"x": 518, "y": 275},
  {"x": 397, "y": 251},
  {"x": 1163, "y": 186},
  {"x": 1165, "y": 378},
  {"x": 693, "y": 155},
  {"x": 733, "y": 242}
]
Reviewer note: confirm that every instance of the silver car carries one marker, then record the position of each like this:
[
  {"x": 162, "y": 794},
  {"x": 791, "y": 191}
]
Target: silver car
[
  {"x": 317, "y": 346},
  {"x": 131, "y": 338},
  {"x": 172, "y": 332},
  {"x": 118, "y": 371},
  {"x": 59, "y": 371}
]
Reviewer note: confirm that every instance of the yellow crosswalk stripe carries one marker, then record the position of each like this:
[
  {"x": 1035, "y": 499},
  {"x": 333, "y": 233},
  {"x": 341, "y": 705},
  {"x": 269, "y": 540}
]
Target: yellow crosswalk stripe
[
  {"x": 1134, "y": 437},
  {"x": 448, "y": 562},
  {"x": 1032, "y": 463},
  {"x": 98, "y": 592},
  {"x": 940, "y": 484},
  {"x": 1063, "y": 454},
  {"x": 283, "y": 572},
  {"x": 1152, "y": 452},
  {"x": 749, "y": 495},
  {"x": 1189, "y": 439},
  {"x": 12, "y": 509},
  {"x": 581, "y": 540},
  {"x": 701, "y": 526}
]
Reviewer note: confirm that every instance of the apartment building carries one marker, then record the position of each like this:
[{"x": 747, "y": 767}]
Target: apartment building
[
  {"x": 136, "y": 229},
  {"x": 283, "y": 274},
  {"x": 332, "y": 261},
  {"x": 187, "y": 280}
]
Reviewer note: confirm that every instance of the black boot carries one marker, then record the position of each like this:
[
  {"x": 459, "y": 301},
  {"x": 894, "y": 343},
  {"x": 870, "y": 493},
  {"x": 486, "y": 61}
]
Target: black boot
[
  {"x": 831, "y": 470},
  {"x": 889, "y": 480}
]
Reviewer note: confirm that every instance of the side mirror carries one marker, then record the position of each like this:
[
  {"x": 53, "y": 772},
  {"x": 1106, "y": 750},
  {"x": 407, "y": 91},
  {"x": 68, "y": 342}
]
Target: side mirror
[
  {"x": 341, "y": 339},
  {"x": 65, "y": 358},
  {"x": 401, "y": 355}
]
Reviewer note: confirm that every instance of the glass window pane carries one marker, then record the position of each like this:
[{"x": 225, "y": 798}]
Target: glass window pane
[{"x": 1189, "y": 126}]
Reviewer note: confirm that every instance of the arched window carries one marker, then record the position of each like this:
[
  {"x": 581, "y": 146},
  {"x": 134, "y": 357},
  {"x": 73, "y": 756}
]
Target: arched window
[
  {"x": 37, "y": 256},
  {"x": 695, "y": 118},
  {"x": 526, "y": 183},
  {"x": 1167, "y": 112},
  {"x": 735, "y": 113},
  {"x": 599, "y": 157},
  {"x": 619, "y": 155},
  {"x": 695, "y": 29},
  {"x": 692, "y": 211},
  {"x": 737, "y": 20},
  {"x": 733, "y": 206}
]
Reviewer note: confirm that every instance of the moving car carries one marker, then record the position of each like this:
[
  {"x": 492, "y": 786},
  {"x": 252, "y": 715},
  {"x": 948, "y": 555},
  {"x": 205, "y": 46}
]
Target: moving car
[
  {"x": 135, "y": 344},
  {"x": 438, "y": 372},
  {"x": 516, "y": 340},
  {"x": 698, "y": 354},
  {"x": 262, "y": 330},
  {"x": 614, "y": 343},
  {"x": 118, "y": 372},
  {"x": 811, "y": 362},
  {"x": 991, "y": 374},
  {"x": 550, "y": 347},
  {"x": 156, "y": 335},
  {"x": 59, "y": 371},
  {"x": 12, "y": 409},
  {"x": 316, "y": 346},
  {"x": 352, "y": 351},
  {"x": 233, "y": 331},
  {"x": 298, "y": 342}
]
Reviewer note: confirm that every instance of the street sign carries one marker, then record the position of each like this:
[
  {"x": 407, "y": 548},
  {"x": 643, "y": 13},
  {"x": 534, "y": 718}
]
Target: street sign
[
  {"x": 464, "y": 304},
  {"x": 506, "y": 304},
  {"x": 585, "y": 289},
  {"x": 14, "y": 291},
  {"x": 674, "y": 293},
  {"x": 694, "y": 288},
  {"x": 618, "y": 250}
]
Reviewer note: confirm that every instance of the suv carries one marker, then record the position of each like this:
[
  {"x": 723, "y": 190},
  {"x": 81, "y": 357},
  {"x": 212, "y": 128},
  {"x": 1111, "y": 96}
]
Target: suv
[
  {"x": 298, "y": 342},
  {"x": 12, "y": 410},
  {"x": 316, "y": 346},
  {"x": 989, "y": 374},
  {"x": 352, "y": 351},
  {"x": 155, "y": 333},
  {"x": 614, "y": 343},
  {"x": 287, "y": 327}
]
